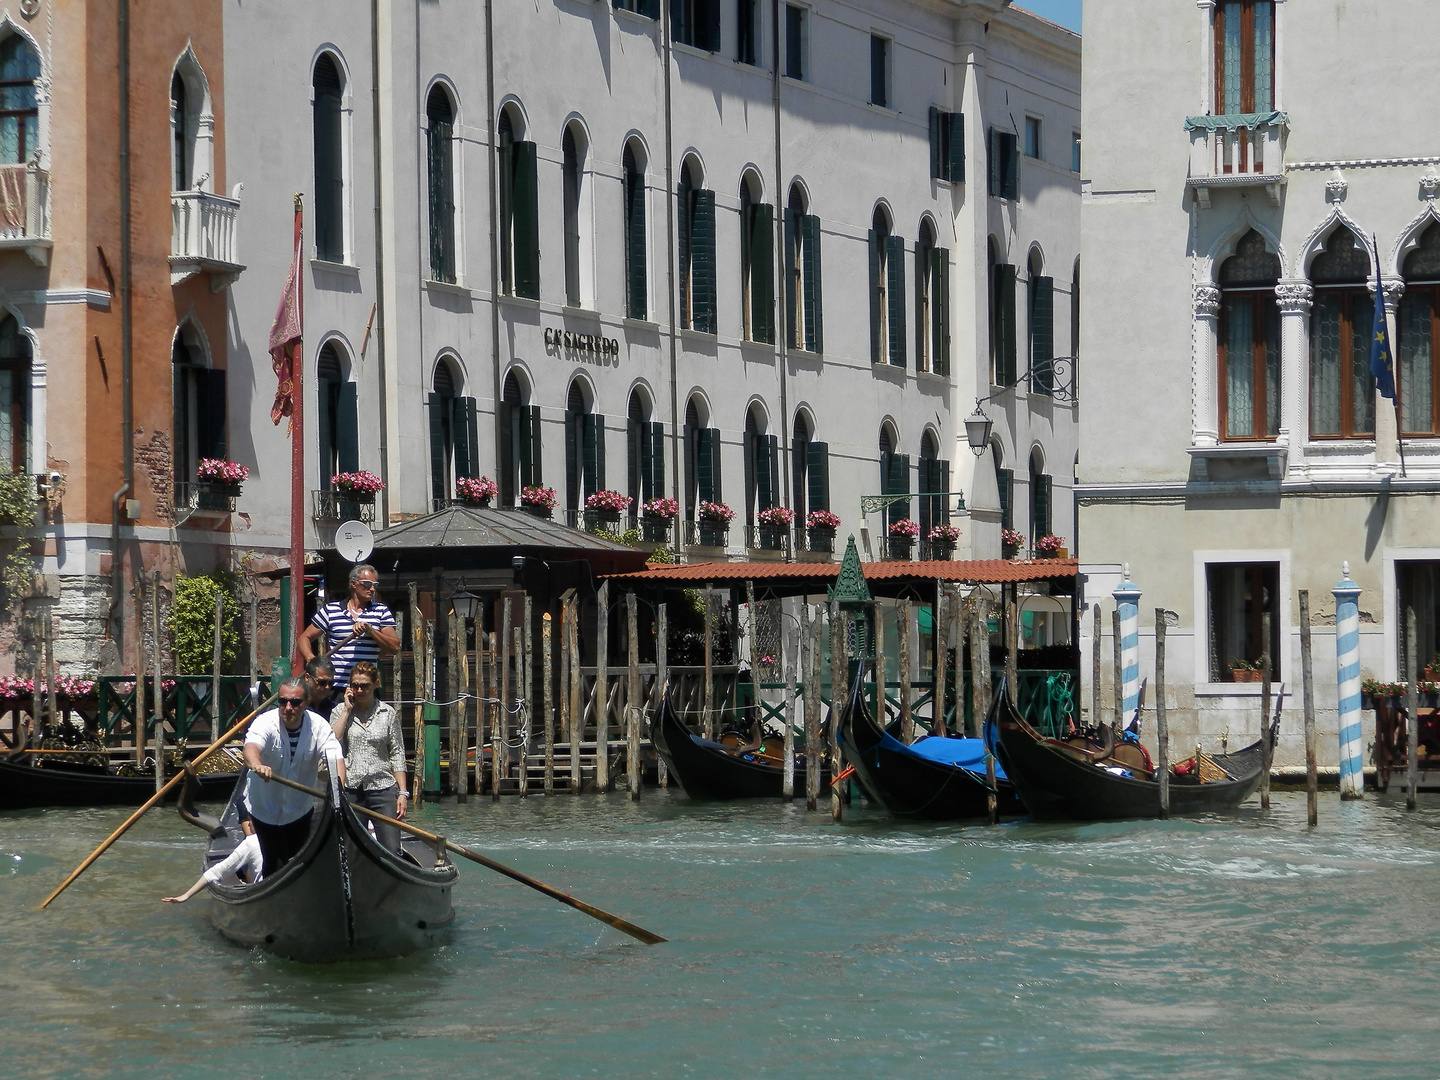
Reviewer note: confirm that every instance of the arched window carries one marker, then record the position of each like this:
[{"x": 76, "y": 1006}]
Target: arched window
[
  {"x": 191, "y": 127},
  {"x": 15, "y": 360},
  {"x": 182, "y": 129},
  {"x": 932, "y": 303},
  {"x": 519, "y": 441},
  {"x": 440, "y": 146},
  {"x": 702, "y": 460},
  {"x": 645, "y": 453},
  {"x": 1002, "y": 318},
  {"x": 1249, "y": 353},
  {"x": 328, "y": 92},
  {"x": 1075, "y": 327},
  {"x": 572, "y": 149},
  {"x": 1342, "y": 399},
  {"x": 934, "y": 477},
  {"x": 894, "y": 476},
  {"x": 762, "y": 465},
  {"x": 637, "y": 294},
  {"x": 757, "y": 262},
  {"x": 1041, "y": 518},
  {"x": 338, "y": 426},
  {"x": 519, "y": 208},
  {"x": 19, "y": 108},
  {"x": 887, "y": 292},
  {"x": 696, "y": 252},
  {"x": 198, "y": 402},
  {"x": 1418, "y": 334},
  {"x": 454, "y": 434},
  {"x": 1040, "y": 297},
  {"x": 803, "y": 318},
  {"x": 1004, "y": 486},
  {"x": 584, "y": 448}
]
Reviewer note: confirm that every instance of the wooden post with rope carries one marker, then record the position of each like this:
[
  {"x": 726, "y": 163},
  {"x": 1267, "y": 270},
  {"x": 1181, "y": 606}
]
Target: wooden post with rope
[
  {"x": 497, "y": 715},
  {"x": 1119, "y": 687},
  {"x": 216, "y": 715},
  {"x": 157, "y": 693},
  {"x": 577, "y": 703},
  {"x": 502, "y": 760},
  {"x": 458, "y": 740},
  {"x": 907, "y": 719},
  {"x": 1095, "y": 667}
]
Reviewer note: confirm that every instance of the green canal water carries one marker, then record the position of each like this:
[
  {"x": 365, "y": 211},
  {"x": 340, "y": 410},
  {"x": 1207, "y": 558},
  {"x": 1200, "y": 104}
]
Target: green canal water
[{"x": 1238, "y": 947}]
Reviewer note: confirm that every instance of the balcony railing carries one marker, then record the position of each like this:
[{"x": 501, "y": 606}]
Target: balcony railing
[
  {"x": 768, "y": 538},
  {"x": 25, "y": 210},
  {"x": 706, "y": 534},
  {"x": 202, "y": 237},
  {"x": 203, "y": 500},
  {"x": 342, "y": 506},
  {"x": 1237, "y": 150}
]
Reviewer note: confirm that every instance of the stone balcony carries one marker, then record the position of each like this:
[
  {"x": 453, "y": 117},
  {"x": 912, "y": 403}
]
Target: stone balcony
[
  {"x": 25, "y": 211},
  {"x": 1241, "y": 150},
  {"x": 202, "y": 238}
]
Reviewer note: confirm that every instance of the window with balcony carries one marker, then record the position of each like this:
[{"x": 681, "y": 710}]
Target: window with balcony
[
  {"x": 1419, "y": 339},
  {"x": 645, "y": 453},
  {"x": 1249, "y": 350},
  {"x": 454, "y": 434},
  {"x": 1244, "y": 56},
  {"x": 1004, "y": 486},
  {"x": 338, "y": 426},
  {"x": 887, "y": 292},
  {"x": 328, "y": 87},
  {"x": 894, "y": 477},
  {"x": 1417, "y": 588},
  {"x": 637, "y": 294},
  {"x": 803, "y": 317},
  {"x": 810, "y": 470},
  {"x": 934, "y": 476},
  {"x": 696, "y": 251},
  {"x": 19, "y": 107},
  {"x": 198, "y": 400},
  {"x": 1041, "y": 503},
  {"x": 1040, "y": 305},
  {"x": 1342, "y": 399},
  {"x": 440, "y": 147},
  {"x": 1239, "y": 595},
  {"x": 520, "y": 456},
  {"x": 519, "y": 209},
  {"x": 15, "y": 361},
  {"x": 702, "y": 460},
  {"x": 757, "y": 262},
  {"x": 1003, "y": 335},
  {"x": 762, "y": 466},
  {"x": 584, "y": 448}
]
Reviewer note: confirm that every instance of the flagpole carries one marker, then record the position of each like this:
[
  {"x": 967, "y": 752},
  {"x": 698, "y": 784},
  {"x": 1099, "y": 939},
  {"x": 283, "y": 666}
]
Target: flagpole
[{"x": 297, "y": 459}]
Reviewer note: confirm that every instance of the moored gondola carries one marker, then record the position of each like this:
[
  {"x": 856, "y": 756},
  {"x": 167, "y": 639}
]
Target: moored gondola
[
  {"x": 709, "y": 770},
  {"x": 1058, "y": 779},
  {"x": 343, "y": 897},
  {"x": 935, "y": 778},
  {"x": 28, "y": 784}
]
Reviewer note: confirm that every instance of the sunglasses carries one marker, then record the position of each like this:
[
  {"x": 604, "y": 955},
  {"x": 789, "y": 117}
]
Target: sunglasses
[
  {"x": 291, "y": 703},
  {"x": 363, "y": 584},
  {"x": 322, "y": 682},
  {"x": 361, "y": 688}
]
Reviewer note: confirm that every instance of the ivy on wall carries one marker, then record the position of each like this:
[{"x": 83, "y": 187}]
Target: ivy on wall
[
  {"x": 192, "y": 621},
  {"x": 17, "y": 511}
]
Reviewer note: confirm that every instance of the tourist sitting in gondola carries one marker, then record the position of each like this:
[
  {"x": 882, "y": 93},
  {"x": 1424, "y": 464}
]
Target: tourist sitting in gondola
[
  {"x": 374, "y": 747},
  {"x": 242, "y": 866},
  {"x": 288, "y": 741}
]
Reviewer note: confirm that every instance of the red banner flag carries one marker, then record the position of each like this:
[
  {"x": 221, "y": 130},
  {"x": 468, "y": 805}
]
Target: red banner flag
[{"x": 285, "y": 335}]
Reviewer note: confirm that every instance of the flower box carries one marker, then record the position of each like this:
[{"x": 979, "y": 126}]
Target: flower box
[
  {"x": 476, "y": 492},
  {"x": 539, "y": 501},
  {"x": 216, "y": 497},
  {"x": 607, "y": 505},
  {"x": 357, "y": 487}
]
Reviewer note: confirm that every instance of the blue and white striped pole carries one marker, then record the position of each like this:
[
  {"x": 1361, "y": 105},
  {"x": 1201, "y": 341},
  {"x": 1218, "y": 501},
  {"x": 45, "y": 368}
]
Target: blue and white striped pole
[
  {"x": 1347, "y": 674},
  {"x": 1127, "y": 600}
]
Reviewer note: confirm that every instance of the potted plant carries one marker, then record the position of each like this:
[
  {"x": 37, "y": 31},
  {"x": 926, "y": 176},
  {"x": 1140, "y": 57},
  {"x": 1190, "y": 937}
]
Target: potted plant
[
  {"x": 655, "y": 518},
  {"x": 1011, "y": 542},
  {"x": 538, "y": 500},
  {"x": 820, "y": 525},
  {"x": 943, "y": 539},
  {"x": 473, "y": 492},
  {"x": 774, "y": 522},
  {"x": 357, "y": 487},
  {"x": 1245, "y": 670},
  {"x": 218, "y": 483},
  {"x": 607, "y": 506},
  {"x": 902, "y": 538},
  {"x": 1049, "y": 547},
  {"x": 1431, "y": 671},
  {"x": 714, "y": 520}
]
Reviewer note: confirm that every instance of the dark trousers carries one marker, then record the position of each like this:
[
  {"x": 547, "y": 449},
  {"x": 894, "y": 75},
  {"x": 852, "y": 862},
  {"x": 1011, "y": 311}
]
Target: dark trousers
[
  {"x": 383, "y": 801},
  {"x": 281, "y": 843}
]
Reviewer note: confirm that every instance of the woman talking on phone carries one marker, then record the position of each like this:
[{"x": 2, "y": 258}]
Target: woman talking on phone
[{"x": 369, "y": 731}]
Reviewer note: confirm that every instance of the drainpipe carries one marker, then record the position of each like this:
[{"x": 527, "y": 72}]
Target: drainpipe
[
  {"x": 676, "y": 442},
  {"x": 491, "y": 128},
  {"x": 127, "y": 409},
  {"x": 782, "y": 281},
  {"x": 380, "y": 327}
]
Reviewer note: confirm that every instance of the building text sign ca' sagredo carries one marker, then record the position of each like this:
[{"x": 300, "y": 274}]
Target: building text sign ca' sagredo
[{"x": 586, "y": 348}]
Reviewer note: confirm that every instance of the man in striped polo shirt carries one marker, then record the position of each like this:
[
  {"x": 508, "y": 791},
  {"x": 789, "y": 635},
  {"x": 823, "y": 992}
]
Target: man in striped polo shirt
[{"x": 360, "y": 628}]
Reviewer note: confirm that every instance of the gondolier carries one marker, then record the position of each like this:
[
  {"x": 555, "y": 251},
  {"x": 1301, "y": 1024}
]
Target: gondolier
[
  {"x": 288, "y": 741},
  {"x": 359, "y": 628}
]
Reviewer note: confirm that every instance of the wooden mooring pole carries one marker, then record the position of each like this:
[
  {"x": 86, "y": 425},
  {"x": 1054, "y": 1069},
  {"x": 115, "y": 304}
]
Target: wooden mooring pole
[
  {"x": 497, "y": 713},
  {"x": 839, "y": 698},
  {"x": 1096, "y": 667},
  {"x": 941, "y": 620},
  {"x": 907, "y": 719},
  {"x": 455, "y": 650},
  {"x": 1162, "y": 722},
  {"x": 506, "y": 659},
  {"x": 813, "y": 654},
  {"x": 1307, "y": 686},
  {"x": 217, "y": 716},
  {"x": 602, "y": 689},
  {"x": 634, "y": 707},
  {"x": 576, "y": 698},
  {"x": 662, "y": 680},
  {"x": 547, "y": 706},
  {"x": 790, "y": 658},
  {"x": 707, "y": 715},
  {"x": 1267, "y": 751},
  {"x": 417, "y": 716},
  {"x": 1119, "y": 720},
  {"x": 1412, "y": 706},
  {"x": 158, "y": 695}
]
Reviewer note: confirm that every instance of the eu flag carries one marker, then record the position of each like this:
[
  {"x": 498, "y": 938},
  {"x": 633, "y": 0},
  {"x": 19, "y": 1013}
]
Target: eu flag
[{"x": 1382, "y": 361}]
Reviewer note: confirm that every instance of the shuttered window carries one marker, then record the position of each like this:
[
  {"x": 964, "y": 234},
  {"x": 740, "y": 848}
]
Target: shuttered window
[
  {"x": 947, "y": 145},
  {"x": 519, "y": 215},
  {"x": 519, "y": 443},
  {"x": 440, "y": 145},
  {"x": 697, "y": 257},
  {"x": 940, "y": 311},
  {"x": 454, "y": 442},
  {"x": 895, "y": 298},
  {"x": 328, "y": 90},
  {"x": 1005, "y": 485},
  {"x": 199, "y": 398},
  {"x": 696, "y": 23},
  {"x": 804, "y": 317},
  {"x": 338, "y": 426},
  {"x": 707, "y": 465},
  {"x": 1004, "y": 165},
  {"x": 649, "y": 8},
  {"x": 1042, "y": 335},
  {"x": 879, "y": 71},
  {"x": 637, "y": 304},
  {"x": 1002, "y": 325},
  {"x": 1041, "y": 520},
  {"x": 933, "y": 476},
  {"x": 817, "y": 475},
  {"x": 757, "y": 269}
]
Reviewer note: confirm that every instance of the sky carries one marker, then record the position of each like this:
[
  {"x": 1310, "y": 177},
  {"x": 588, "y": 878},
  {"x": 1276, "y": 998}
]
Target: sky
[{"x": 1064, "y": 12}]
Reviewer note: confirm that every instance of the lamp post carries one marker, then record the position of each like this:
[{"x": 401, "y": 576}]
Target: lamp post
[
  {"x": 464, "y": 603},
  {"x": 977, "y": 430}
]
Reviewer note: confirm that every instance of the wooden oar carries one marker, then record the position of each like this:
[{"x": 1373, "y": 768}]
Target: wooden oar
[
  {"x": 637, "y": 932},
  {"x": 159, "y": 795}
]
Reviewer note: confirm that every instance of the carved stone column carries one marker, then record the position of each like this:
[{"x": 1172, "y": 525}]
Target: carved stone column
[
  {"x": 1387, "y": 420},
  {"x": 1294, "y": 299},
  {"x": 1204, "y": 411}
]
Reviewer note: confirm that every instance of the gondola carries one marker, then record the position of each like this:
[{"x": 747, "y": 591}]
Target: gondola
[
  {"x": 26, "y": 784},
  {"x": 343, "y": 897},
  {"x": 1059, "y": 779},
  {"x": 935, "y": 778},
  {"x": 709, "y": 770}
]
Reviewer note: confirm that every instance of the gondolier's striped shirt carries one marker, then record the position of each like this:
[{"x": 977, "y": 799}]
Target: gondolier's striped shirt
[{"x": 337, "y": 624}]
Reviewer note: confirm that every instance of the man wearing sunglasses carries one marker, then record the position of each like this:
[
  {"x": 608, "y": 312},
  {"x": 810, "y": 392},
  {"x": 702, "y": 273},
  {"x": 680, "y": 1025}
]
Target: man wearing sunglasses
[
  {"x": 288, "y": 741},
  {"x": 359, "y": 628}
]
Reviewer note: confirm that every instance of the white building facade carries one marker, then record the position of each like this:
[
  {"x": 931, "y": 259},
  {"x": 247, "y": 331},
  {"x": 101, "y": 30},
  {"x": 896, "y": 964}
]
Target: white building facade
[
  {"x": 676, "y": 252},
  {"x": 1242, "y": 185}
]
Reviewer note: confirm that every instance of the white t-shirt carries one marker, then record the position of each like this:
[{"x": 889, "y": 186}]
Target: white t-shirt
[
  {"x": 246, "y": 856},
  {"x": 275, "y": 804}
]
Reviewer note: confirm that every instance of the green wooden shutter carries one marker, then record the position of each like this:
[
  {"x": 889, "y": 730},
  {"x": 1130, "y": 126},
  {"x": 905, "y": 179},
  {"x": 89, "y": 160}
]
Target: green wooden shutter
[
  {"x": 711, "y": 15},
  {"x": 505, "y": 173},
  {"x": 702, "y": 255},
  {"x": 1005, "y": 324},
  {"x": 636, "y": 278},
  {"x": 895, "y": 293},
  {"x": 772, "y": 449},
  {"x": 749, "y": 451},
  {"x": 1005, "y": 485},
  {"x": 325, "y": 395},
  {"x": 637, "y": 464},
  {"x": 900, "y": 482},
  {"x": 1012, "y": 187},
  {"x": 684, "y": 224},
  {"x": 435, "y": 406},
  {"x": 597, "y": 422},
  {"x": 1042, "y": 335},
  {"x": 527, "y": 222},
  {"x": 655, "y": 437},
  {"x": 955, "y": 167},
  {"x": 442, "y": 203},
  {"x": 530, "y": 446},
  {"x": 992, "y": 163},
  {"x": 213, "y": 418},
  {"x": 923, "y": 485},
  {"x": 706, "y": 481},
  {"x": 762, "y": 274},
  {"x": 347, "y": 425},
  {"x": 810, "y": 254},
  {"x": 940, "y": 311},
  {"x": 944, "y": 508},
  {"x": 1041, "y": 509},
  {"x": 466, "y": 451},
  {"x": 573, "y": 465},
  {"x": 817, "y": 473},
  {"x": 715, "y": 477},
  {"x": 791, "y": 255},
  {"x": 937, "y": 164},
  {"x": 876, "y": 356},
  {"x": 508, "y": 417},
  {"x": 764, "y": 449}
]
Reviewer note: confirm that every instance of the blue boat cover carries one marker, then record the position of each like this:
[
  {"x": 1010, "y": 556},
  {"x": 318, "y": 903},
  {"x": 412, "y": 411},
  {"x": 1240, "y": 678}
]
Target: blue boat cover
[{"x": 968, "y": 754}]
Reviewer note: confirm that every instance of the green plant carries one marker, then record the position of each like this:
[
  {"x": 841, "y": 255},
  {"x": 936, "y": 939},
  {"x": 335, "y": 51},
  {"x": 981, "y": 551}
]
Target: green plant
[
  {"x": 192, "y": 621},
  {"x": 17, "y": 510},
  {"x": 662, "y": 554}
]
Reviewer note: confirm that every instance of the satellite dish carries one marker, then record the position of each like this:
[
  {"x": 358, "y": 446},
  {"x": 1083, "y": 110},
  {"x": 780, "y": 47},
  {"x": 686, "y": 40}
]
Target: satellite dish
[{"x": 354, "y": 541}]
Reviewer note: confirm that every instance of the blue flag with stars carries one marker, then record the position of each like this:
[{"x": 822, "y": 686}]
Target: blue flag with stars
[{"x": 1382, "y": 361}]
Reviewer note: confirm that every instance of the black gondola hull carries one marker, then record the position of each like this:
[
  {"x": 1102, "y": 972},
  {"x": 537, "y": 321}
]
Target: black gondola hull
[
  {"x": 709, "y": 772},
  {"x": 25, "y": 787},
  {"x": 1055, "y": 784},
  {"x": 393, "y": 905}
]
